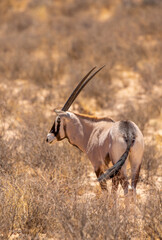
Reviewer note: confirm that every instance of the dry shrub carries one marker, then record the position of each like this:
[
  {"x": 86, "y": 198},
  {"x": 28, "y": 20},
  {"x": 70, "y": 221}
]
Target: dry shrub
[
  {"x": 42, "y": 71},
  {"x": 151, "y": 162},
  {"x": 152, "y": 216},
  {"x": 42, "y": 208},
  {"x": 141, "y": 114},
  {"x": 19, "y": 22}
]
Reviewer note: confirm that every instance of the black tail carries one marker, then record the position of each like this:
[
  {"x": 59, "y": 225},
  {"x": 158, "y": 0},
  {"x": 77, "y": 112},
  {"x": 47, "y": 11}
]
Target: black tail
[{"x": 111, "y": 172}]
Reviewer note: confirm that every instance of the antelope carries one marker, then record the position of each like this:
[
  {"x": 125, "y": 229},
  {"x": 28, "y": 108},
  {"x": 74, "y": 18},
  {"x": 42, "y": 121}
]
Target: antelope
[{"x": 103, "y": 140}]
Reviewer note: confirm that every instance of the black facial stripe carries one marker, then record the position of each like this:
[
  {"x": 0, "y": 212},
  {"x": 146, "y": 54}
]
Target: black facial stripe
[{"x": 58, "y": 127}]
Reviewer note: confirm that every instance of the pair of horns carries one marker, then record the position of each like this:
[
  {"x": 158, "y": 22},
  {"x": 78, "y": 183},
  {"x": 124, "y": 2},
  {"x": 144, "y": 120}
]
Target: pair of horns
[{"x": 79, "y": 87}]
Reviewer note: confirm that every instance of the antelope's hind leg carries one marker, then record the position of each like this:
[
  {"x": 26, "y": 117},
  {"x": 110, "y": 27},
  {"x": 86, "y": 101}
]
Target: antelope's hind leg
[
  {"x": 115, "y": 184},
  {"x": 124, "y": 179},
  {"x": 135, "y": 157},
  {"x": 103, "y": 184},
  {"x": 116, "y": 151},
  {"x": 121, "y": 178},
  {"x": 135, "y": 170}
]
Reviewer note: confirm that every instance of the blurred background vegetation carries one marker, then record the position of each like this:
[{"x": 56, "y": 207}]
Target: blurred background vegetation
[{"x": 46, "y": 47}]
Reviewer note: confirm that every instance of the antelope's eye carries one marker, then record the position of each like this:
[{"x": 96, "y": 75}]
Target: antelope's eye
[{"x": 58, "y": 120}]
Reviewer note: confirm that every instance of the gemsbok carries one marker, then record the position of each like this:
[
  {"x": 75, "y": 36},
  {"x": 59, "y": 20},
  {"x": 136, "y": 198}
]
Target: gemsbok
[{"x": 103, "y": 140}]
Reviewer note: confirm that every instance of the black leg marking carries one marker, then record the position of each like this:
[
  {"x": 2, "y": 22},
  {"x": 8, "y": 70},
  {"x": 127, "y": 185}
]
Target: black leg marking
[
  {"x": 124, "y": 182},
  {"x": 115, "y": 184},
  {"x": 135, "y": 177},
  {"x": 103, "y": 184}
]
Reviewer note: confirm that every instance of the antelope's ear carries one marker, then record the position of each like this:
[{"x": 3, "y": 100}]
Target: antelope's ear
[{"x": 62, "y": 113}]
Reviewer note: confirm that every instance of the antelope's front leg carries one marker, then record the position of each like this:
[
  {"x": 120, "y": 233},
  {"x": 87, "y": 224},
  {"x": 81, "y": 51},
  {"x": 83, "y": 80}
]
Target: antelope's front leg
[{"x": 103, "y": 183}]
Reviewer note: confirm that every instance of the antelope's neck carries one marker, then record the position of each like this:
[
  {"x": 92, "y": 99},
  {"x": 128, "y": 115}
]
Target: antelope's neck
[{"x": 78, "y": 131}]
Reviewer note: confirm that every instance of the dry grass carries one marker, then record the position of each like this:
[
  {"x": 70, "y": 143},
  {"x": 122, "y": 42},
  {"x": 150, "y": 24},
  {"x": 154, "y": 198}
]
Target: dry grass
[{"x": 48, "y": 192}]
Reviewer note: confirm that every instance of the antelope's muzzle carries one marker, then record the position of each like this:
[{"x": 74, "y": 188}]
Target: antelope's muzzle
[{"x": 50, "y": 137}]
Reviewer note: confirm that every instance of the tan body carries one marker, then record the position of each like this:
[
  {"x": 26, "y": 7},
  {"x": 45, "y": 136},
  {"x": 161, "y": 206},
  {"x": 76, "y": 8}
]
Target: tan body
[{"x": 102, "y": 140}]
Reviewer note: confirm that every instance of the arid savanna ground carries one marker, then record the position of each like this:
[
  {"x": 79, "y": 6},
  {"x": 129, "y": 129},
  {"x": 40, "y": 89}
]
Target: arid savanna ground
[{"x": 46, "y": 47}]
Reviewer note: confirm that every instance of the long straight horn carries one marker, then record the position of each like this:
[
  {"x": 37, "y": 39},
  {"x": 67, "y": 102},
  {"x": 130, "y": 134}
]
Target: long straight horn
[
  {"x": 70, "y": 99},
  {"x": 79, "y": 87}
]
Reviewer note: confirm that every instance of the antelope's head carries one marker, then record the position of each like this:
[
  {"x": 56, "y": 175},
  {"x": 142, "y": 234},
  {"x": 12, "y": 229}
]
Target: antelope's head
[{"x": 58, "y": 130}]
